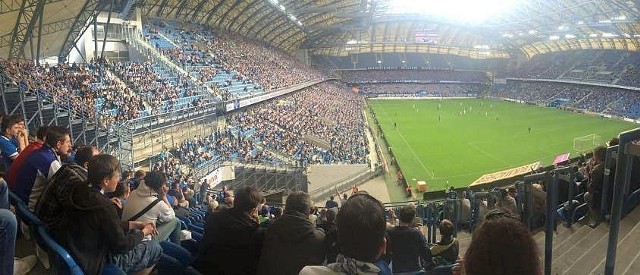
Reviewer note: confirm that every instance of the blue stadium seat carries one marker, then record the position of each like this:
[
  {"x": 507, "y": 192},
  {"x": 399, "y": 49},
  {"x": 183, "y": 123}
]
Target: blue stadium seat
[{"x": 62, "y": 261}]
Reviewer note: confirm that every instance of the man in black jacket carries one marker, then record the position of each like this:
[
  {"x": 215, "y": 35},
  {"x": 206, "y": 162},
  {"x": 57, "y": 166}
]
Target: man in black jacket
[
  {"x": 407, "y": 245},
  {"x": 90, "y": 228},
  {"x": 292, "y": 242},
  {"x": 232, "y": 237}
]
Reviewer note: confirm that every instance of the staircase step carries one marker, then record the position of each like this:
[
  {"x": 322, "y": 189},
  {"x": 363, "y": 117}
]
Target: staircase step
[
  {"x": 627, "y": 251},
  {"x": 564, "y": 258}
]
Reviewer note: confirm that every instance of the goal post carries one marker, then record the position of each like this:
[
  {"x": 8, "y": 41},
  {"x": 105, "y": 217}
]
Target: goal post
[{"x": 586, "y": 143}]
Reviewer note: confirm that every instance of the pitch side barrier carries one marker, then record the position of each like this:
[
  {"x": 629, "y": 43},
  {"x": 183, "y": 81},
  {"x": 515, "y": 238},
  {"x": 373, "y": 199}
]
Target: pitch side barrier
[{"x": 623, "y": 202}]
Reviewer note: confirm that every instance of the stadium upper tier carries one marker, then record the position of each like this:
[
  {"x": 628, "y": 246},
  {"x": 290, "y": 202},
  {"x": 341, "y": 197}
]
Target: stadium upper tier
[
  {"x": 413, "y": 75},
  {"x": 610, "y": 67},
  {"x": 421, "y": 90},
  {"x": 219, "y": 68},
  {"x": 238, "y": 66}
]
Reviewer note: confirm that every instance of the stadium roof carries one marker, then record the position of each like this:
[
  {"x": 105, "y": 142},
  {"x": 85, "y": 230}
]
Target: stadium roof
[{"x": 340, "y": 27}]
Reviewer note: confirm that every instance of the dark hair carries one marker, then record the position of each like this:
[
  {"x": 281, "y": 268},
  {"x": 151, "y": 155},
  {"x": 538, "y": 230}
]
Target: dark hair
[
  {"x": 42, "y": 132},
  {"x": 101, "y": 167},
  {"x": 155, "y": 180},
  {"x": 331, "y": 214},
  {"x": 614, "y": 141},
  {"x": 446, "y": 228},
  {"x": 84, "y": 154},
  {"x": 120, "y": 190},
  {"x": 299, "y": 202},
  {"x": 502, "y": 245},
  {"x": 361, "y": 227},
  {"x": 600, "y": 153},
  {"x": 56, "y": 134},
  {"x": 10, "y": 120},
  {"x": 246, "y": 198},
  {"x": 407, "y": 213}
]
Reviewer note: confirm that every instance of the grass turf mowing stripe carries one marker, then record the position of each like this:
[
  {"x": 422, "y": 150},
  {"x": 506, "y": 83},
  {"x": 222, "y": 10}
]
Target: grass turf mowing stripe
[{"x": 455, "y": 141}]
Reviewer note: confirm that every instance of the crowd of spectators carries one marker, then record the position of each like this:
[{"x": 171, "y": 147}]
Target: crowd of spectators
[
  {"x": 421, "y": 90},
  {"x": 600, "y": 66},
  {"x": 320, "y": 124},
  {"x": 237, "y": 61},
  {"x": 230, "y": 144},
  {"x": 630, "y": 76},
  {"x": 413, "y": 75},
  {"x": 269, "y": 67},
  {"x": 598, "y": 99},
  {"x": 89, "y": 89},
  {"x": 161, "y": 93},
  {"x": 67, "y": 84}
]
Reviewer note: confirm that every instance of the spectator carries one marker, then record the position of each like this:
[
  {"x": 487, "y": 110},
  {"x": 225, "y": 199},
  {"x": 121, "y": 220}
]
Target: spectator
[
  {"x": 91, "y": 230},
  {"x": 152, "y": 191},
  {"x": 120, "y": 196},
  {"x": 361, "y": 239},
  {"x": 137, "y": 178},
  {"x": 13, "y": 139},
  {"x": 176, "y": 192},
  {"x": 507, "y": 203},
  {"x": 12, "y": 173},
  {"x": 502, "y": 245},
  {"x": 232, "y": 237},
  {"x": 49, "y": 208},
  {"x": 330, "y": 203},
  {"x": 41, "y": 165},
  {"x": 292, "y": 241},
  {"x": 593, "y": 196},
  {"x": 445, "y": 252},
  {"x": 331, "y": 233},
  {"x": 407, "y": 246}
]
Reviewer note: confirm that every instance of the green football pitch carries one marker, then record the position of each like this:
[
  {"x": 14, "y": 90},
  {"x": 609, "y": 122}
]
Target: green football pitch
[{"x": 455, "y": 141}]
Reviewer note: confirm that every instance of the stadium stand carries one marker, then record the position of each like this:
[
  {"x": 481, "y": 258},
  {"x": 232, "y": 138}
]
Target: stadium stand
[
  {"x": 413, "y": 75},
  {"x": 241, "y": 52},
  {"x": 320, "y": 124},
  {"x": 597, "y": 99}
]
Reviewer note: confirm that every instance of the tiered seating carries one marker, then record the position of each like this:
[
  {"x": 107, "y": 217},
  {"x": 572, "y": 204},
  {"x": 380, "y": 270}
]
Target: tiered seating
[
  {"x": 424, "y": 90},
  {"x": 413, "y": 75},
  {"x": 160, "y": 89},
  {"x": 233, "y": 144},
  {"x": 615, "y": 101},
  {"x": 320, "y": 124},
  {"x": 600, "y": 66},
  {"x": 181, "y": 47}
]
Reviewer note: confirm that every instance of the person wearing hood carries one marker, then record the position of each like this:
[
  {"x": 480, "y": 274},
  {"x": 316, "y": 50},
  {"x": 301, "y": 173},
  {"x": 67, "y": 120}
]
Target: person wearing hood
[
  {"x": 153, "y": 190},
  {"x": 292, "y": 242}
]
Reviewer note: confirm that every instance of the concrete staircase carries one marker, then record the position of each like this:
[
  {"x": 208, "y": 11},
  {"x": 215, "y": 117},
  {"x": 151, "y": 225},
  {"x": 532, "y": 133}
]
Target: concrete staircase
[{"x": 582, "y": 250}]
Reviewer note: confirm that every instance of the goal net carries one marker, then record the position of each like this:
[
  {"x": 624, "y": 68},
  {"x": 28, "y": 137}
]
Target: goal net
[{"x": 586, "y": 143}]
